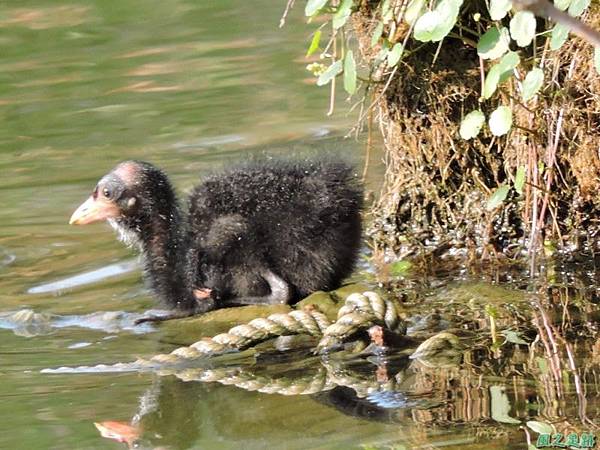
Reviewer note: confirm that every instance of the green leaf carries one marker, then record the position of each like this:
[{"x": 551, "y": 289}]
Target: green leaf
[
  {"x": 381, "y": 56},
  {"x": 387, "y": 13},
  {"x": 509, "y": 61},
  {"x": 513, "y": 337},
  {"x": 377, "y": 34},
  {"x": 331, "y": 72},
  {"x": 500, "y": 73},
  {"x": 522, "y": 28},
  {"x": 413, "y": 11},
  {"x": 597, "y": 59},
  {"x": 562, "y": 4},
  {"x": 532, "y": 83},
  {"x": 507, "y": 64},
  {"x": 499, "y": 8},
  {"x": 540, "y": 427},
  {"x": 520, "y": 180},
  {"x": 500, "y": 121},
  {"x": 341, "y": 15},
  {"x": 491, "y": 310},
  {"x": 577, "y": 7},
  {"x": 349, "y": 73},
  {"x": 497, "y": 197},
  {"x": 395, "y": 54},
  {"x": 560, "y": 33},
  {"x": 314, "y": 44},
  {"x": 471, "y": 124},
  {"x": 313, "y": 7},
  {"x": 433, "y": 26},
  {"x": 426, "y": 26},
  {"x": 400, "y": 268},
  {"x": 492, "y": 79},
  {"x": 494, "y": 43},
  {"x": 385, "y": 7}
]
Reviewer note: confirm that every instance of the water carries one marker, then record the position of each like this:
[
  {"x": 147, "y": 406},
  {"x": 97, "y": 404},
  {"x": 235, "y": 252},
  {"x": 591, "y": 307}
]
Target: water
[{"x": 191, "y": 86}]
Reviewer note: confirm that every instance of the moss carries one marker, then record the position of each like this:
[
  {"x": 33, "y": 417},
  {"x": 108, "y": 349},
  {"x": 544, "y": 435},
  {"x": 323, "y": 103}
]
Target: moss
[
  {"x": 329, "y": 302},
  {"x": 188, "y": 331}
]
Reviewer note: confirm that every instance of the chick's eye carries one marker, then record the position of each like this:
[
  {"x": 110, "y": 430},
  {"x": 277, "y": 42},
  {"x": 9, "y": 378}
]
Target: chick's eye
[{"x": 106, "y": 192}]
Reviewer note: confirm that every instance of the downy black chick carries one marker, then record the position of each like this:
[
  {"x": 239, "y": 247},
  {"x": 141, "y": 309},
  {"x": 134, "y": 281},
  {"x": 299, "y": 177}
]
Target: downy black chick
[{"x": 270, "y": 232}]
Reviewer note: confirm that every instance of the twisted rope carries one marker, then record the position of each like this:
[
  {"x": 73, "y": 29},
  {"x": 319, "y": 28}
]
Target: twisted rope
[
  {"x": 359, "y": 312},
  {"x": 243, "y": 336}
]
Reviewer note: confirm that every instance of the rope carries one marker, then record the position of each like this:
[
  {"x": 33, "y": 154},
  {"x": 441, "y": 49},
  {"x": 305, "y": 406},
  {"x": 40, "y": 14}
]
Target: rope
[
  {"x": 360, "y": 311},
  {"x": 310, "y": 322}
]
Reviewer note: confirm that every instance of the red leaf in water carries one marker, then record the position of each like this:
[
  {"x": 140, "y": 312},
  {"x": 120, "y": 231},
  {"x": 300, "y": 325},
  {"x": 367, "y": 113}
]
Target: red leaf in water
[{"x": 118, "y": 431}]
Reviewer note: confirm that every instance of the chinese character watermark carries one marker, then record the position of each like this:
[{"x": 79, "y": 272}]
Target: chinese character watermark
[{"x": 571, "y": 440}]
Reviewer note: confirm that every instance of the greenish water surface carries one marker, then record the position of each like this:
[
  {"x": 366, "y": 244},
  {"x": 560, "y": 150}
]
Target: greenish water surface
[{"x": 192, "y": 86}]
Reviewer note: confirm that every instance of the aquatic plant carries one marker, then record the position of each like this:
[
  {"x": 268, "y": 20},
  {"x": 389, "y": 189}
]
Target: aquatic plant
[{"x": 488, "y": 111}]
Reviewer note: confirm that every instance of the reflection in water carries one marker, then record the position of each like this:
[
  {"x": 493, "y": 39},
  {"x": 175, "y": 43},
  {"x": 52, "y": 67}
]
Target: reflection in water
[
  {"x": 545, "y": 370},
  {"x": 413, "y": 396}
]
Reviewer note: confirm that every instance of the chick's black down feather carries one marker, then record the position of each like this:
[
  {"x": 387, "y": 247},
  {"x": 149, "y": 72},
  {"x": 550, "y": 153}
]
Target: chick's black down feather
[
  {"x": 301, "y": 221},
  {"x": 265, "y": 232}
]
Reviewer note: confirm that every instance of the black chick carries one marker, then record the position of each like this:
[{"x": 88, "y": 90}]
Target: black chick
[{"x": 269, "y": 232}]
